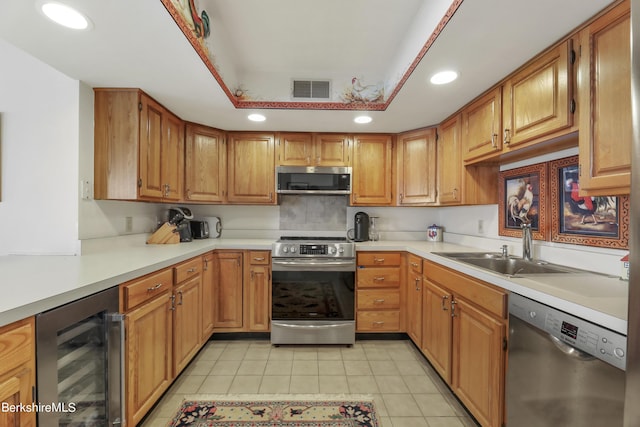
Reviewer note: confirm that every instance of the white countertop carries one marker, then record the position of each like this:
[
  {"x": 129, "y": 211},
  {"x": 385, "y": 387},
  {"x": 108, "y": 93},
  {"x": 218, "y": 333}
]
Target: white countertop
[{"x": 33, "y": 284}]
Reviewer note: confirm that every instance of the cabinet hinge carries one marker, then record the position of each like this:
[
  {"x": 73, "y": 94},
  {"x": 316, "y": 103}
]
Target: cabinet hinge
[
  {"x": 33, "y": 393},
  {"x": 573, "y": 57},
  {"x": 139, "y": 182},
  {"x": 505, "y": 344},
  {"x": 437, "y": 136},
  {"x": 139, "y": 106},
  {"x": 572, "y": 106},
  {"x": 580, "y": 170}
]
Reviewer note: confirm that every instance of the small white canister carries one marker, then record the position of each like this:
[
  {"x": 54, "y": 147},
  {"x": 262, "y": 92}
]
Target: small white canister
[
  {"x": 434, "y": 233},
  {"x": 624, "y": 272}
]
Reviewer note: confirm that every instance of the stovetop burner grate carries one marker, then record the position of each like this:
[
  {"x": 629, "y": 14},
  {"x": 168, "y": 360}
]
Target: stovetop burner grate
[{"x": 314, "y": 238}]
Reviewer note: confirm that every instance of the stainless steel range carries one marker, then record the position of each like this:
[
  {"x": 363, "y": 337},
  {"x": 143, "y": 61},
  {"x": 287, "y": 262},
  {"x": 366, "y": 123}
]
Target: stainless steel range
[{"x": 313, "y": 298}]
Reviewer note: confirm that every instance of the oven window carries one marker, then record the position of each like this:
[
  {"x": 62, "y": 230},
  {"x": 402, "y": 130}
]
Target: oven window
[{"x": 308, "y": 295}]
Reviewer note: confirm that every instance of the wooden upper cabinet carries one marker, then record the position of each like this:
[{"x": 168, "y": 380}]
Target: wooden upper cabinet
[
  {"x": 251, "y": 168},
  {"x": 605, "y": 104},
  {"x": 450, "y": 167},
  {"x": 139, "y": 147},
  {"x": 205, "y": 164},
  {"x": 306, "y": 149},
  {"x": 416, "y": 166},
  {"x": 482, "y": 125},
  {"x": 371, "y": 177},
  {"x": 332, "y": 149},
  {"x": 538, "y": 98}
]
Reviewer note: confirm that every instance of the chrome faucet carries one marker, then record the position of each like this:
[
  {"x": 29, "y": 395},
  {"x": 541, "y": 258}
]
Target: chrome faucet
[
  {"x": 505, "y": 251},
  {"x": 527, "y": 242}
]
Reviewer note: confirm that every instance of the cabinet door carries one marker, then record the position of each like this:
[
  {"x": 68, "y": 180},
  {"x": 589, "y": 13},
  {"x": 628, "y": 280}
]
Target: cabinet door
[
  {"x": 416, "y": 165},
  {"x": 173, "y": 157},
  {"x": 15, "y": 389},
  {"x": 449, "y": 150},
  {"x": 251, "y": 165},
  {"x": 332, "y": 150},
  {"x": 228, "y": 290},
  {"x": 605, "y": 134},
  {"x": 414, "y": 307},
  {"x": 186, "y": 322},
  {"x": 149, "y": 355},
  {"x": 482, "y": 125},
  {"x": 437, "y": 327},
  {"x": 372, "y": 170},
  {"x": 208, "y": 288},
  {"x": 205, "y": 164},
  {"x": 479, "y": 362},
  {"x": 150, "y": 180},
  {"x": 537, "y": 99},
  {"x": 295, "y": 149},
  {"x": 259, "y": 298}
]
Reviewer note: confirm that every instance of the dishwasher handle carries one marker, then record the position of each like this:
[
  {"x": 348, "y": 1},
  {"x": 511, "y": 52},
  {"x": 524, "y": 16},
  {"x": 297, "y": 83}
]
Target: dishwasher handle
[{"x": 570, "y": 350}]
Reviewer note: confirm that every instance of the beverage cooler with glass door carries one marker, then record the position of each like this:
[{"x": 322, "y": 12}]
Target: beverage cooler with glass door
[{"x": 79, "y": 361}]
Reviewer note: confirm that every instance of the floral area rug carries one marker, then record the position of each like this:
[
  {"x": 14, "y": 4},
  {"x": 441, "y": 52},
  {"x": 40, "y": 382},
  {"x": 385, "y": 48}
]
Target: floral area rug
[{"x": 262, "y": 411}]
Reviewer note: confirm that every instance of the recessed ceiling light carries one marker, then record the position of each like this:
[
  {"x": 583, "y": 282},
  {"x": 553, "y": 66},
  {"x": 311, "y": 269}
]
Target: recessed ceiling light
[
  {"x": 362, "y": 119},
  {"x": 256, "y": 117},
  {"x": 64, "y": 15},
  {"x": 443, "y": 77}
]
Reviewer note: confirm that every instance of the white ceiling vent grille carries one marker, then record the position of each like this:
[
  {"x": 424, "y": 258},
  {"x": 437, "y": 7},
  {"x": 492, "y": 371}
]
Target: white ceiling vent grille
[{"x": 311, "y": 89}]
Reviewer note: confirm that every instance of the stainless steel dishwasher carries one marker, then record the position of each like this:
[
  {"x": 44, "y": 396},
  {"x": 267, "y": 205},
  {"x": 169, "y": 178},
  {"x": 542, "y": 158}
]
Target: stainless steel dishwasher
[{"x": 562, "y": 370}]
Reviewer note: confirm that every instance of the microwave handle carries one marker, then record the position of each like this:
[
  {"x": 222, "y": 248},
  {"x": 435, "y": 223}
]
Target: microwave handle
[{"x": 115, "y": 369}]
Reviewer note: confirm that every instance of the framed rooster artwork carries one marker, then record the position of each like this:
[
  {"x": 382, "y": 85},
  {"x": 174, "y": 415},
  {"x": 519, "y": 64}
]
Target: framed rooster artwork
[
  {"x": 585, "y": 220},
  {"x": 522, "y": 199}
]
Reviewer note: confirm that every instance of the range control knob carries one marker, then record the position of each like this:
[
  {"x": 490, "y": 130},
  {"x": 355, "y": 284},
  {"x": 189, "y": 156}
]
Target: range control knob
[
  {"x": 533, "y": 314},
  {"x": 293, "y": 249},
  {"x": 619, "y": 352},
  {"x": 285, "y": 249},
  {"x": 341, "y": 249},
  {"x": 332, "y": 250}
]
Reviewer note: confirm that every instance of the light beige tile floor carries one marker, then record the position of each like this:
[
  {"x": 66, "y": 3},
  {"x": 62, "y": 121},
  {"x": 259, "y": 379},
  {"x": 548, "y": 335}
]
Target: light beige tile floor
[{"x": 406, "y": 390}]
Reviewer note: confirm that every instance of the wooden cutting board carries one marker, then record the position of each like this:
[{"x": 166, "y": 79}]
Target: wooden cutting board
[{"x": 165, "y": 234}]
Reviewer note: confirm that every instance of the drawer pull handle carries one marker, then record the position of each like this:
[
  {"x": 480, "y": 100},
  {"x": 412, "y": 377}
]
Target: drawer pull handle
[
  {"x": 378, "y": 301},
  {"x": 192, "y": 270},
  {"x": 417, "y": 283},
  {"x": 379, "y": 278},
  {"x": 378, "y": 323},
  {"x": 259, "y": 258},
  {"x": 414, "y": 264},
  {"x": 378, "y": 260},
  {"x": 154, "y": 287},
  {"x": 444, "y": 299},
  {"x": 181, "y": 297}
]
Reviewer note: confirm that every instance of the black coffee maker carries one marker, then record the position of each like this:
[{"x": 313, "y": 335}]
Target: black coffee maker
[
  {"x": 181, "y": 218},
  {"x": 361, "y": 227}
]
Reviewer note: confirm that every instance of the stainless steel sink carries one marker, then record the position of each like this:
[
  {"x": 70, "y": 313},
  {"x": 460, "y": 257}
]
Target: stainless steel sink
[{"x": 509, "y": 266}]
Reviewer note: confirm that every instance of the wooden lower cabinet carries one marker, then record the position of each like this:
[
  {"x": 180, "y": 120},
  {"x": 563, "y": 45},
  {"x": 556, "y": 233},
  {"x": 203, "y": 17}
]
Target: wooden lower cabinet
[
  {"x": 258, "y": 291},
  {"x": 479, "y": 362},
  {"x": 464, "y": 336},
  {"x": 414, "y": 298},
  {"x": 378, "y": 292},
  {"x": 207, "y": 295},
  {"x": 149, "y": 353},
  {"x": 186, "y": 323},
  {"x": 17, "y": 372},
  {"x": 228, "y": 290}
]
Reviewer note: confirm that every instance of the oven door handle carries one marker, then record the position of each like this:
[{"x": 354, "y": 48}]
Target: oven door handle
[
  {"x": 328, "y": 326},
  {"x": 313, "y": 265}
]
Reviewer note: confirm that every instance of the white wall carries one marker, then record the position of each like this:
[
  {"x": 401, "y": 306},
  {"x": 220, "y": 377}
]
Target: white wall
[{"x": 39, "y": 126}]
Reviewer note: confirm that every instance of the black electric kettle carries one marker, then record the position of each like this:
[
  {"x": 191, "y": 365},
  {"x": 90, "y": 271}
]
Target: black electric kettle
[{"x": 360, "y": 230}]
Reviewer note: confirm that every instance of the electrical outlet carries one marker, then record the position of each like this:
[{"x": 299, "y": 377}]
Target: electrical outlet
[
  {"x": 480, "y": 226},
  {"x": 86, "y": 189},
  {"x": 128, "y": 224}
]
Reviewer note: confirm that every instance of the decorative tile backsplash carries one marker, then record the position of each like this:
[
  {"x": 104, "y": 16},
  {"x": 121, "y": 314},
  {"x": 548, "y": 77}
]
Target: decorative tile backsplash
[{"x": 313, "y": 212}]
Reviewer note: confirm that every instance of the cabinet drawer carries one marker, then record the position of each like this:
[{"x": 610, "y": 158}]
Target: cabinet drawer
[
  {"x": 188, "y": 269},
  {"x": 374, "y": 277},
  {"x": 415, "y": 263},
  {"x": 138, "y": 291},
  {"x": 378, "y": 299},
  {"x": 379, "y": 259},
  {"x": 17, "y": 344},
  {"x": 259, "y": 257},
  {"x": 378, "y": 321}
]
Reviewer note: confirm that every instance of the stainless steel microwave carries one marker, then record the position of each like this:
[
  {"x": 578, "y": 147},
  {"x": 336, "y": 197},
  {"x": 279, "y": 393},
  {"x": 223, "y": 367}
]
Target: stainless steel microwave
[{"x": 313, "y": 180}]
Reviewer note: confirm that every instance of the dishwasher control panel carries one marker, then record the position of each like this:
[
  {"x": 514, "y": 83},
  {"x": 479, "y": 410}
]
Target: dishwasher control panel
[{"x": 573, "y": 332}]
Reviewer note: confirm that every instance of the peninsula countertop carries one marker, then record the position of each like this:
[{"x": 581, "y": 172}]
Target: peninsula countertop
[{"x": 34, "y": 284}]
